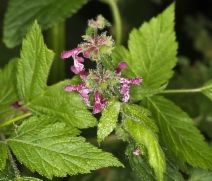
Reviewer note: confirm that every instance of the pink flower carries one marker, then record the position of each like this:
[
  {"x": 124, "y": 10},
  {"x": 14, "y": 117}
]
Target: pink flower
[
  {"x": 17, "y": 105},
  {"x": 83, "y": 91},
  {"x": 98, "y": 103},
  {"x": 77, "y": 67},
  {"x": 121, "y": 66},
  {"x": 126, "y": 87}
]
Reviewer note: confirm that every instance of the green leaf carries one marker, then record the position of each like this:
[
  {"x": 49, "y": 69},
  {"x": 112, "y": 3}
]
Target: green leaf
[
  {"x": 152, "y": 50},
  {"x": 207, "y": 89},
  {"x": 141, "y": 115},
  {"x": 26, "y": 179},
  {"x": 54, "y": 151},
  {"x": 107, "y": 62},
  {"x": 177, "y": 132},
  {"x": 143, "y": 135},
  {"x": 3, "y": 155},
  {"x": 7, "y": 173},
  {"x": 21, "y": 14},
  {"x": 145, "y": 172},
  {"x": 138, "y": 92},
  {"x": 108, "y": 120},
  {"x": 40, "y": 98},
  {"x": 8, "y": 90},
  {"x": 140, "y": 165},
  {"x": 197, "y": 174}
]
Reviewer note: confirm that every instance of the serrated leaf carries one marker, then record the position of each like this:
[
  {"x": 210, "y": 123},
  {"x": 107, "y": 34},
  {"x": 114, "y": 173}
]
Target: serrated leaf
[
  {"x": 3, "y": 155},
  {"x": 26, "y": 179},
  {"x": 207, "y": 89},
  {"x": 143, "y": 135},
  {"x": 54, "y": 151},
  {"x": 145, "y": 172},
  {"x": 152, "y": 50},
  {"x": 108, "y": 120},
  {"x": 40, "y": 98},
  {"x": 8, "y": 90},
  {"x": 178, "y": 133},
  {"x": 138, "y": 92},
  {"x": 21, "y": 14},
  {"x": 197, "y": 174},
  {"x": 141, "y": 115},
  {"x": 7, "y": 173}
]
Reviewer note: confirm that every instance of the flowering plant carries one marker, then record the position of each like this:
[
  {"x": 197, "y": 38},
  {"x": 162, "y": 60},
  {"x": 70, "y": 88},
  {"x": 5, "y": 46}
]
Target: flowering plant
[{"x": 43, "y": 126}]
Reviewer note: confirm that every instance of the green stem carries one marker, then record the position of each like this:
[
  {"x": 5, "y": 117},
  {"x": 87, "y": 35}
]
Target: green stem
[
  {"x": 55, "y": 41},
  {"x": 15, "y": 119},
  {"x": 117, "y": 19},
  {"x": 181, "y": 91}
]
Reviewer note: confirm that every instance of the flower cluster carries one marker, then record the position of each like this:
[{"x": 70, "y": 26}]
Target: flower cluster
[{"x": 99, "y": 84}]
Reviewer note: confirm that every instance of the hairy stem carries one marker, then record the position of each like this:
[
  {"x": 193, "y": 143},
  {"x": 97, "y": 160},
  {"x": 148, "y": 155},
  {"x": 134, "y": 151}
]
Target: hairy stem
[
  {"x": 181, "y": 91},
  {"x": 117, "y": 19},
  {"x": 15, "y": 119},
  {"x": 56, "y": 39}
]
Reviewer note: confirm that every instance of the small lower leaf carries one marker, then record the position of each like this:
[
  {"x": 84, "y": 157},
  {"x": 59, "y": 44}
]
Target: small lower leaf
[{"x": 108, "y": 120}]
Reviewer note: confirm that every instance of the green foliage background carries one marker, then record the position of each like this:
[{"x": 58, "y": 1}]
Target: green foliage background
[{"x": 193, "y": 70}]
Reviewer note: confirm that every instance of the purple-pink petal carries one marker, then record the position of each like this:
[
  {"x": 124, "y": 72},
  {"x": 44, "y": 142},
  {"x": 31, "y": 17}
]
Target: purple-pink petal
[
  {"x": 121, "y": 66},
  {"x": 98, "y": 103},
  {"x": 136, "y": 80},
  {"x": 86, "y": 54},
  {"x": 126, "y": 87},
  {"x": 125, "y": 91},
  {"x": 81, "y": 88},
  {"x": 83, "y": 74},
  {"x": 72, "y": 52}
]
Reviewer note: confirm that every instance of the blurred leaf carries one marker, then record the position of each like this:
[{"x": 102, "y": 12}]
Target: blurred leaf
[
  {"x": 3, "y": 155},
  {"x": 22, "y": 13},
  {"x": 199, "y": 29},
  {"x": 143, "y": 135},
  {"x": 197, "y": 174},
  {"x": 177, "y": 132},
  {"x": 8, "y": 90},
  {"x": 36, "y": 95},
  {"x": 7, "y": 173},
  {"x": 150, "y": 48},
  {"x": 54, "y": 151},
  {"x": 108, "y": 120}
]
